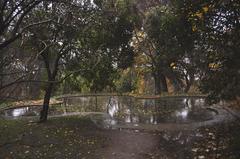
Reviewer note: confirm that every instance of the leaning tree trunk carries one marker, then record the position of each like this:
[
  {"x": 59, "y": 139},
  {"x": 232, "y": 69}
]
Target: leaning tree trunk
[{"x": 47, "y": 96}]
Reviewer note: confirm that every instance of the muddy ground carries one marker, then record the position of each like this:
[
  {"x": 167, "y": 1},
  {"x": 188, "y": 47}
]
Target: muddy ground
[{"x": 78, "y": 137}]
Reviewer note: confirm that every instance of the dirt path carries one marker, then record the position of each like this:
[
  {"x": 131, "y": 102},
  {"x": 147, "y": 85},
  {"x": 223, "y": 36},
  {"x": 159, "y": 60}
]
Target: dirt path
[
  {"x": 79, "y": 138},
  {"x": 130, "y": 145}
]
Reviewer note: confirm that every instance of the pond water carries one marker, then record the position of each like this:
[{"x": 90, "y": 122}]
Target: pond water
[
  {"x": 21, "y": 112},
  {"x": 125, "y": 109}
]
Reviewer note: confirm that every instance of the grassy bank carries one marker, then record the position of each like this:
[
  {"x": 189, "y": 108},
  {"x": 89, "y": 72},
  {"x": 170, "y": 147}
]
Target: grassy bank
[{"x": 57, "y": 138}]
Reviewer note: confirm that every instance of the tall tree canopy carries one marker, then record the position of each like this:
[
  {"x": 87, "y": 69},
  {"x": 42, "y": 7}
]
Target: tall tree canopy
[
  {"x": 12, "y": 14},
  {"x": 82, "y": 37},
  {"x": 220, "y": 34}
]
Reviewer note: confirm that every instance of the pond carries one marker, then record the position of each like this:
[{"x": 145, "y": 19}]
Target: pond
[{"x": 125, "y": 109}]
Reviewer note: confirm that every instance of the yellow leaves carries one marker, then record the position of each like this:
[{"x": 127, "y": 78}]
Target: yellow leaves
[
  {"x": 141, "y": 85},
  {"x": 205, "y": 9},
  {"x": 35, "y": 102},
  {"x": 173, "y": 65},
  {"x": 199, "y": 15},
  {"x": 141, "y": 60},
  {"x": 141, "y": 34},
  {"x": 213, "y": 65},
  {"x": 194, "y": 28}
]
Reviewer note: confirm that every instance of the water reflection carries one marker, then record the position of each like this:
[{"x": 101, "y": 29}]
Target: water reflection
[
  {"x": 112, "y": 106},
  {"x": 124, "y": 109},
  {"x": 183, "y": 113},
  {"x": 19, "y": 112},
  {"x": 154, "y": 111},
  {"x": 22, "y": 111}
]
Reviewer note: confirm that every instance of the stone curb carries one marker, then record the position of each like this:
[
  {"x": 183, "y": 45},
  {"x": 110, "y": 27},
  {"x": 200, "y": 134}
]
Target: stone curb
[{"x": 236, "y": 114}]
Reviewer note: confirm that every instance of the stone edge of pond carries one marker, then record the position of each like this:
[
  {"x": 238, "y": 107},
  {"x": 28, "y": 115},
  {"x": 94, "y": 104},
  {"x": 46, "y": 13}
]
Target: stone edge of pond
[
  {"x": 221, "y": 116},
  {"x": 22, "y": 106},
  {"x": 99, "y": 118},
  {"x": 233, "y": 112},
  {"x": 129, "y": 95},
  {"x": 80, "y": 114}
]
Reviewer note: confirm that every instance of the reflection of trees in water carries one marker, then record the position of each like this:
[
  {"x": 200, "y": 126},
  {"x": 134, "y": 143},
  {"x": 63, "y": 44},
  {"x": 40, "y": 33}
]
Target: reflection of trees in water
[
  {"x": 156, "y": 111},
  {"x": 21, "y": 111},
  {"x": 85, "y": 104},
  {"x": 121, "y": 107},
  {"x": 113, "y": 106},
  {"x": 132, "y": 110}
]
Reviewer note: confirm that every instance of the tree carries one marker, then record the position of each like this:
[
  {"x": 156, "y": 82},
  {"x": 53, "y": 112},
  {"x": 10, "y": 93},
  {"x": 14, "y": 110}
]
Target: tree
[
  {"x": 79, "y": 34},
  {"x": 57, "y": 39},
  {"x": 106, "y": 48},
  {"x": 216, "y": 24},
  {"x": 18, "y": 66},
  {"x": 220, "y": 30},
  {"x": 12, "y": 14},
  {"x": 168, "y": 37},
  {"x": 127, "y": 81}
]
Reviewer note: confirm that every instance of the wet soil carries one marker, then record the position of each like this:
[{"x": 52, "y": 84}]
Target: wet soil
[{"x": 78, "y": 137}]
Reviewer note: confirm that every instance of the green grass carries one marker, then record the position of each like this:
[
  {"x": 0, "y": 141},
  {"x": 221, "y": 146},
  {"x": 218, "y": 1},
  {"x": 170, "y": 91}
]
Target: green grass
[
  {"x": 5, "y": 104},
  {"x": 67, "y": 137}
]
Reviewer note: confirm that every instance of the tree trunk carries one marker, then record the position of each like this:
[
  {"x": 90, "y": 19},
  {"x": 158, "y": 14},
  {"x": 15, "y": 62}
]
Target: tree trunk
[
  {"x": 157, "y": 83},
  {"x": 34, "y": 88},
  {"x": 189, "y": 83},
  {"x": 47, "y": 96},
  {"x": 186, "y": 89},
  {"x": 174, "y": 79},
  {"x": 163, "y": 83},
  {"x": 160, "y": 83}
]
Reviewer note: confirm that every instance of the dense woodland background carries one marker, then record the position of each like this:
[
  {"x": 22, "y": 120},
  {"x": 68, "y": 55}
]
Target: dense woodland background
[{"x": 54, "y": 47}]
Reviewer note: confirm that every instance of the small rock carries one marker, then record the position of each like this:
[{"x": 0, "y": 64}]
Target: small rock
[
  {"x": 195, "y": 149},
  {"x": 201, "y": 157}
]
